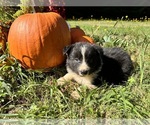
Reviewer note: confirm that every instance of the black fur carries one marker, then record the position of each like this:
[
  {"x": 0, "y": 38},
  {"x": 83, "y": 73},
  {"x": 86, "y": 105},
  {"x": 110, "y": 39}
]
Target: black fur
[
  {"x": 112, "y": 65},
  {"x": 117, "y": 66}
]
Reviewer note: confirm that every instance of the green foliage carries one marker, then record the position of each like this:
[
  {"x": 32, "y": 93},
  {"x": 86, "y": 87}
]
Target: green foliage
[
  {"x": 6, "y": 13},
  {"x": 24, "y": 8},
  {"x": 32, "y": 94}
]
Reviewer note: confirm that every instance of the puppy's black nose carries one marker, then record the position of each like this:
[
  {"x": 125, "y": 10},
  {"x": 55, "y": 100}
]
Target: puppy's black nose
[{"x": 84, "y": 72}]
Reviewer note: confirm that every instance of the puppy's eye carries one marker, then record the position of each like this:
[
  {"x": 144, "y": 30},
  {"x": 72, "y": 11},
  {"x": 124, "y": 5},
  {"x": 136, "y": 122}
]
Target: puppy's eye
[{"x": 77, "y": 59}]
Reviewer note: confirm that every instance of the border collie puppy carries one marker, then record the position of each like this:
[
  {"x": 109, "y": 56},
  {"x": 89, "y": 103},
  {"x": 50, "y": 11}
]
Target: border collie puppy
[{"x": 90, "y": 65}]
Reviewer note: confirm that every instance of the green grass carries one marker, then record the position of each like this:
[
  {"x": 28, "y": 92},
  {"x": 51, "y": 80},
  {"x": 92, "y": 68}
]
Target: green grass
[{"x": 30, "y": 94}]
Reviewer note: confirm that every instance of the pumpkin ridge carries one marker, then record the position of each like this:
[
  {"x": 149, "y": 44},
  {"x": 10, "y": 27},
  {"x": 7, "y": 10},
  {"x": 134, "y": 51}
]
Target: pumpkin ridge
[
  {"x": 41, "y": 45},
  {"x": 42, "y": 38},
  {"x": 28, "y": 52},
  {"x": 50, "y": 21},
  {"x": 20, "y": 44}
]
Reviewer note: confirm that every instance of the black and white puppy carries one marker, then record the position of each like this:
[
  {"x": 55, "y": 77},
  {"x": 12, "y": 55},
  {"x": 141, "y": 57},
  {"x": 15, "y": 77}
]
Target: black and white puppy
[{"x": 89, "y": 64}]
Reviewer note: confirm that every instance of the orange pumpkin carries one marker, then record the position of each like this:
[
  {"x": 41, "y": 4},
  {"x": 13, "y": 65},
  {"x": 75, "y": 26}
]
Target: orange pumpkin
[
  {"x": 86, "y": 39},
  {"x": 37, "y": 40},
  {"x": 76, "y": 33}
]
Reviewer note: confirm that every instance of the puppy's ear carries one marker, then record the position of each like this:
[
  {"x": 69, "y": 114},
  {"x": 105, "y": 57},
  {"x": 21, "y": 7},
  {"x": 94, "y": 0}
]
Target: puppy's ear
[{"x": 67, "y": 49}]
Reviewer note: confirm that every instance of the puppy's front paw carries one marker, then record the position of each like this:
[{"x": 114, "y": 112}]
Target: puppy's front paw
[
  {"x": 61, "y": 81},
  {"x": 64, "y": 79},
  {"x": 91, "y": 86}
]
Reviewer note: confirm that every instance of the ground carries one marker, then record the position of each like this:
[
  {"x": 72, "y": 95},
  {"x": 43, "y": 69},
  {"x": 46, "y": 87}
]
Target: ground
[{"x": 30, "y": 94}]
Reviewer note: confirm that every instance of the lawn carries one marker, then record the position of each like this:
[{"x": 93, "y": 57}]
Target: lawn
[{"x": 32, "y": 94}]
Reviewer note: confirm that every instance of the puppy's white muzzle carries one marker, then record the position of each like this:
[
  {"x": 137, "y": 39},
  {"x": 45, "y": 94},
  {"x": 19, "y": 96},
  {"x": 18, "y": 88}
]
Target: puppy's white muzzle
[{"x": 83, "y": 69}]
